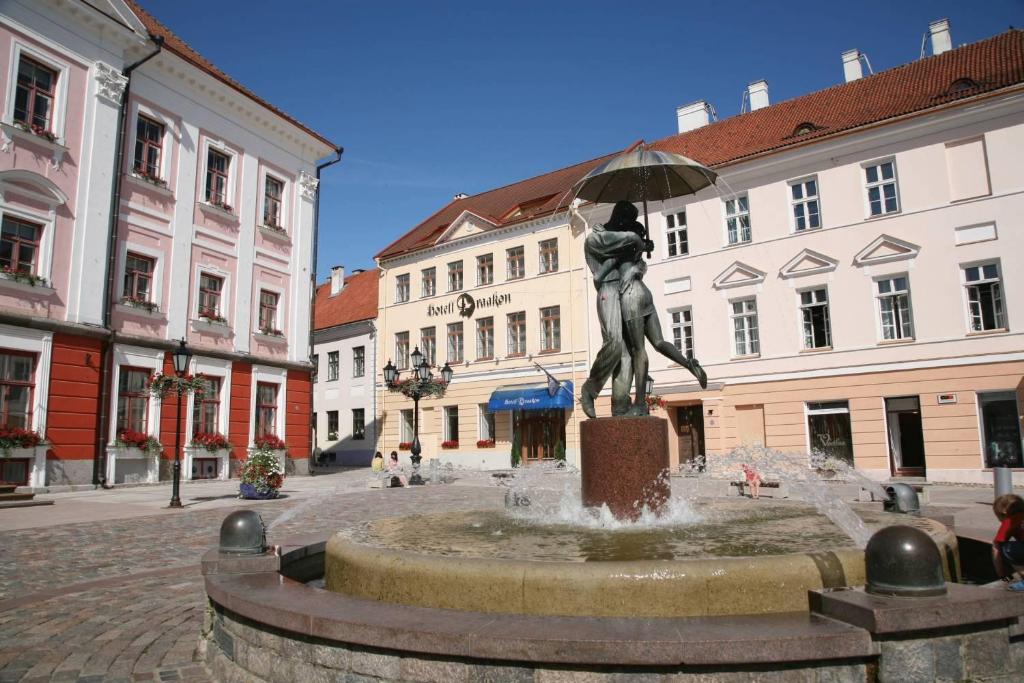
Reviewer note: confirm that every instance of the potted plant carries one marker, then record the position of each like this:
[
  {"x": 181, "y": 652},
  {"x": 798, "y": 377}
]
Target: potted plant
[
  {"x": 449, "y": 443},
  {"x": 485, "y": 443},
  {"x": 139, "y": 302},
  {"x": 211, "y": 441},
  {"x": 655, "y": 401},
  {"x": 262, "y": 476},
  {"x": 21, "y": 276},
  {"x": 16, "y": 437},
  {"x": 140, "y": 441},
  {"x": 271, "y": 331},
  {"x": 405, "y": 446}
]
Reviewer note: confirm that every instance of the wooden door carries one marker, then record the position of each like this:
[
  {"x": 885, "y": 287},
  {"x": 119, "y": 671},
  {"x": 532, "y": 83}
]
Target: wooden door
[{"x": 690, "y": 432}]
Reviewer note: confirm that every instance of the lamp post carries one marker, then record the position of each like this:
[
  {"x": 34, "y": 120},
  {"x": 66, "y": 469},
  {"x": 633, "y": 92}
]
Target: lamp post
[
  {"x": 181, "y": 357},
  {"x": 421, "y": 382}
]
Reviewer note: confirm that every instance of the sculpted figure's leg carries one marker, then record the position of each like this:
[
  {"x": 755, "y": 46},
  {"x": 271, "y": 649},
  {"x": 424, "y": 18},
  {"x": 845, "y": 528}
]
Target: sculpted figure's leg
[
  {"x": 608, "y": 357},
  {"x": 636, "y": 344},
  {"x": 669, "y": 350},
  {"x": 621, "y": 382}
]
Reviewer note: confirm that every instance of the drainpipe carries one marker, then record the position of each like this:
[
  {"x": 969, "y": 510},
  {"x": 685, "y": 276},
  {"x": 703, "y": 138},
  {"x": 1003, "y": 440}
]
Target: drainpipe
[
  {"x": 106, "y": 365},
  {"x": 312, "y": 276}
]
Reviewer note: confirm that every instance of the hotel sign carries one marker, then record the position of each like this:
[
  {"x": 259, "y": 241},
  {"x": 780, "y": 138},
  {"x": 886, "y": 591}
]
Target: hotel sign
[{"x": 466, "y": 305}]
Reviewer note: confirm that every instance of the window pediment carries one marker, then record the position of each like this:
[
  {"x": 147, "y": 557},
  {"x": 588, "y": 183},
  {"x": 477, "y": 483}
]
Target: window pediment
[
  {"x": 884, "y": 249},
  {"x": 31, "y": 185},
  {"x": 466, "y": 225},
  {"x": 808, "y": 262},
  {"x": 739, "y": 275}
]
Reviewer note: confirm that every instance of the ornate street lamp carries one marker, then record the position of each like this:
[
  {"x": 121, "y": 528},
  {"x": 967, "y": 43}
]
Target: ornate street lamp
[
  {"x": 181, "y": 357},
  {"x": 649, "y": 385},
  {"x": 421, "y": 383}
]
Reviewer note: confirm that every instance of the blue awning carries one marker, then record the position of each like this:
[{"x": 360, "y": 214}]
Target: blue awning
[{"x": 531, "y": 397}]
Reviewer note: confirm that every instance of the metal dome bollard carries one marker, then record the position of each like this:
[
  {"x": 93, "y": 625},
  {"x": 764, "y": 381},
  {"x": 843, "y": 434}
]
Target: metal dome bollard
[
  {"x": 243, "y": 533},
  {"x": 904, "y": 562},
  {"x": 902, "y": 498}
]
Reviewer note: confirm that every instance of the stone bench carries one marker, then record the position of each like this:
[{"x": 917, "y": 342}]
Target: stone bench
[
  {"x": 384, "y": 480},
  {"x": 770, "y": 484}
]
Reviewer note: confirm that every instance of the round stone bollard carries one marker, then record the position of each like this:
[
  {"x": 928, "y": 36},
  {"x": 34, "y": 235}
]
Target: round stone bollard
[
  {"x": 1003, "y": 480},
  {"x": 243, "y": 533},
  {"x": 903, "y": 562}
]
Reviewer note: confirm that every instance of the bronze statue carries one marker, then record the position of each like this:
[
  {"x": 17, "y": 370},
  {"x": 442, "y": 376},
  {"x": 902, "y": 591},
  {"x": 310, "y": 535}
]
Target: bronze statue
[{"x": 625, "y": 310}]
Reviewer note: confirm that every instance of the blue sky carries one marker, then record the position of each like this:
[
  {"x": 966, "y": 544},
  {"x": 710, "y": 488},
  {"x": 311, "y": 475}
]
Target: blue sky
[{"x": 430, "y": 99}]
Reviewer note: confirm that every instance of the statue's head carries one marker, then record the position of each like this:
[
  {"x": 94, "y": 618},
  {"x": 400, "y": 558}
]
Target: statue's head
[{"x": 623, "y": 215}]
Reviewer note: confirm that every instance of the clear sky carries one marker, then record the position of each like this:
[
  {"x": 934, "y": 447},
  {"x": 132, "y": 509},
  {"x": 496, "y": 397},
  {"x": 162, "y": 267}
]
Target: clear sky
[{"x": 430, "y": 99}]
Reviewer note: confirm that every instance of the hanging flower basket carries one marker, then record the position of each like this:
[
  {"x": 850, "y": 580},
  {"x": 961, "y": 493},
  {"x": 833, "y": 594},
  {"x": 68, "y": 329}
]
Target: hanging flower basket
[
  {"x": 655, "y": 401},
  {"x": 408, "y": 387},
  {"x": 161, "y": 385}
]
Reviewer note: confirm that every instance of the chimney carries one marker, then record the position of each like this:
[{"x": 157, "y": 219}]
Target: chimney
[
  {"x": 758, "y": 94},
  {"x": 942, "y": 41},
  {"x": 692, "y": 116},
  {"x": 337, "y": 280},
  {"x": 851, "y": 65}
]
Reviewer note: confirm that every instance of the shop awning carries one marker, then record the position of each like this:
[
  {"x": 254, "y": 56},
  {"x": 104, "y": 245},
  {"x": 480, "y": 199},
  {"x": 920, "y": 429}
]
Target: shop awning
[{"x": 531, "y": 397}]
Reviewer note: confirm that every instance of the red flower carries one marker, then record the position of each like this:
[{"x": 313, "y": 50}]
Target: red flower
[
  {"x": 269, "y": 441},
  {"x": 405, "y": 446},
  {"x": 485, "y": 443},
  {"x": 451, "y": 443}
]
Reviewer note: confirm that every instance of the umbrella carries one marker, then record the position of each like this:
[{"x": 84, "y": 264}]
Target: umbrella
[{"x": 642, "y": 175}]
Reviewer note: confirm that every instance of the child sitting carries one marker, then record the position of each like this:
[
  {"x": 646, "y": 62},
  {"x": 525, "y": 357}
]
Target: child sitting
[
  {"x": 1008, "y": 545},
  {"x": 753, "y": 479}
]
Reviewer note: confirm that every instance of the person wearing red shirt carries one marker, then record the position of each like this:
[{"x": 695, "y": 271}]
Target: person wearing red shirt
[{"x": 1008, "y": 544}]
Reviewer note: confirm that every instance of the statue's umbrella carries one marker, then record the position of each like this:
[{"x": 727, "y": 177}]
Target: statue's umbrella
[{"x": 641, "y": 175}]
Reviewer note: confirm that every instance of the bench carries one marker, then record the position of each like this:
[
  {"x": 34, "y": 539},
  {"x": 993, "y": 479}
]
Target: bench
[
  {"x": 384, "y": 480},
  {"x": 769, "y": 484}
]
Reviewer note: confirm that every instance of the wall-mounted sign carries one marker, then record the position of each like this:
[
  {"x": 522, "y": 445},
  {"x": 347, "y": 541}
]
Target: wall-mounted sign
[
  {"x": 947, "y": 398},
  {"x": 466, "y": 305}
]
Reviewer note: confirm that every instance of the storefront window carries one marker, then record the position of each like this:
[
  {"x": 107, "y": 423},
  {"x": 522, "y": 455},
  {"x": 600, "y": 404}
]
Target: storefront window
[
  {"x": 828, "y": 424},
  {"x": 1000, "y": 429}
]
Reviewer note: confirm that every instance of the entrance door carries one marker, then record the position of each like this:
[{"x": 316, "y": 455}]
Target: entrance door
[
  {"x": 906, "y": 437},
  {"x": 540, "y": 431},
  {"x": 690, "y": 426}
]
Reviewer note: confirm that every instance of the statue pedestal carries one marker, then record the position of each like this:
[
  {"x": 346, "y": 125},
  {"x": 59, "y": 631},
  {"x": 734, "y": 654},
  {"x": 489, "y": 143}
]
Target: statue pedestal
[{"x": 624, "y": 464}]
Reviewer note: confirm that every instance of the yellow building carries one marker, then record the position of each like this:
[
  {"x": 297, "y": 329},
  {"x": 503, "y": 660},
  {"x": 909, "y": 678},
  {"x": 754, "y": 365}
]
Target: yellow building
[{"x": 492, "y": 284}]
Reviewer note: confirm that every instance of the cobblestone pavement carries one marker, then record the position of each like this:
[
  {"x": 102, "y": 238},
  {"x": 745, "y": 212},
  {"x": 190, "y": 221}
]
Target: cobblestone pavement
[{"x": 123, "y": 600}]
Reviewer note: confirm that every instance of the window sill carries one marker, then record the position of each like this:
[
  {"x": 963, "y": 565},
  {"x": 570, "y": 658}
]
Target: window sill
[
  {"x": 548, "y": 352},
  {"x": 136, "y": 179},
  {"x": 516, "y": 355},
  {"x": 749, "y": 356},
  {"x": 513, "y": 279},
  {"x": 7, "y": 282},
  {"x": 482, "y": 359},
  {"x": 817, "y": 349},
  {"x": 747, "y": 243},
  {"x": 208, "y": 208},
  {"x": 985, "y": 333},
  {"x": 270, "y": 338},
  {"x": 210, "y": 327},
  {"x": 897, "y": 212},
  {"x": 140, "y": 311},
  {"x": 896, "y": 342},
  {"x": 12, "y": 132},
  {"x": 278, "y": 234}
]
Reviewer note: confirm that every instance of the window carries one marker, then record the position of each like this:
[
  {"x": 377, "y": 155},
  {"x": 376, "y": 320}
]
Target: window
[
  {"x": 19, "y": 245},
  {"x": 828, "y": 428},
  {"x": 455, "y": 350},
  {"x": 485, "y": 269},
  {"x": 149, "y": 138},
  {"x": 806, "y": 210},
  {"x": 406, "y": 430},
  {"x": 132, "y": 400},
  {"x": 402, "y": 288},
  {"x": 217, "y": 164},
  {"x": 34, "y": 95},
  {"x": 675, "y": 234},
  {"x": 268, "y": 312},
  {"x": 894, "y": 308},
  {"x": 332, "y": 365},
  {"x": 454, "y": 276},
  {"x": 16, "y": 387},
  {"x": 744, "y": 325},
  {"x": 358, "y": 361},
  {"x": 984, "y": 297},
  {"x": 881, "y": 187},
  {"x": 402, "y": 350},
  {"x": 1000, "y": 429},
  {"x": 550, "y": 329},
  {"x": 682, "y": 330},
  {"x": 451, "y": 423},
  {"x": 515, "y": 263},
  {"x": 315, "y": 361},
  {"x": 428, "y": 282},
  {"x": 332, "y": 425},
  {"x": 485, "y": 338},
  {"x": 516, "y": 333},
  {"x": 486, "y": 423},
  {"x": 737, "y": 219},
  {"x": 358, "y": 424},
  {"x": 206, "y": 408},
  {"x": 549, "y": 256},
  {"x": 210, "y": 287},
  {"x": 266, "y": 409},
  {"x": 138, "y": 277},
  {"x": 428, "y": 345},
  {"x": 273, "y": 191},
  {"x": 814, "y": 312}
]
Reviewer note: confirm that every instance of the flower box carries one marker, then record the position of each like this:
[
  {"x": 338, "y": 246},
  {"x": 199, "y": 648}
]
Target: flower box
[
  {"x": 271, "y": 332},
  {"x": 451, "y": 443},
  {"x": 485, "y": 443},
  {"x": 36, "y": 130},
  {"x": 405, "y": 446},
  {"x": 30, "y": 279},
  {"x": 151, "y": 179},
  {"x": 144, "y": 304}
]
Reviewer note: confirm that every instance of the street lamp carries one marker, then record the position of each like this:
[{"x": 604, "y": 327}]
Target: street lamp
[
  {"x": 181, "y": 357},
  {"x": 418, "y": 386},
  {"x": 649, "y": 385}
]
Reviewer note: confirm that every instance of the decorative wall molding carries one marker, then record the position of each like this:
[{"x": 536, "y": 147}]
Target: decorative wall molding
[
  {"x": 110, "y": 83},
  {"x": 307, "y": 185}
]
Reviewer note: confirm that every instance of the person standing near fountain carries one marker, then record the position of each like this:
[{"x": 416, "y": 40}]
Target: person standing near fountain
[{"x": 1008, "y": 545}]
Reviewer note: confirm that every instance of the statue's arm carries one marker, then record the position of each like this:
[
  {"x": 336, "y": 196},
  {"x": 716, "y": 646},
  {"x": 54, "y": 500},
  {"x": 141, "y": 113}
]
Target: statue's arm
[{"x": 606, "y": 267}]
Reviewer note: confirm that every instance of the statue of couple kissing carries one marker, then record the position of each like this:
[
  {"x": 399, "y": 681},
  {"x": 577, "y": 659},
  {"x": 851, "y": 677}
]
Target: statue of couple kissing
[{"x": 625, "y": 309}]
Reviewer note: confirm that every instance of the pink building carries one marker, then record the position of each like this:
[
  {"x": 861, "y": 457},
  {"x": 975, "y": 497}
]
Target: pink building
[{"x": 146, "y": 197}]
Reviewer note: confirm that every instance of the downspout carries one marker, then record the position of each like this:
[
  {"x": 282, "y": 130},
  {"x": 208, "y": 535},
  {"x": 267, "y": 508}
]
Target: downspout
[
  {"x": 106, "y": 365},
  {"x": 373, "y": 383},
  {"x": 312, "y": 275}
]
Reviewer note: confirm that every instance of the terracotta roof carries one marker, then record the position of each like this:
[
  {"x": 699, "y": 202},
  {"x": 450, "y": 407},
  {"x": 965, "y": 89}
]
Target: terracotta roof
[
  {"x": 974, "y": 69},
  {"x": 979, "y": 68},
  {"x": 356, "y": 301},
  {"x": 500, "y": 202},
  {"x": 176, "y": 45}
]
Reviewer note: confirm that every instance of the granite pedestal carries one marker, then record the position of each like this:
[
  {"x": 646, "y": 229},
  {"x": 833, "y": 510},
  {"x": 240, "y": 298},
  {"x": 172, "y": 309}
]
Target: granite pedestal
[{"x": 624, "y": 464}]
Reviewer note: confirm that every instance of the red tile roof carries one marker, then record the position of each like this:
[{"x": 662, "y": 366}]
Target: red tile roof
[
  {"x": 357, "y": 301},
  {"x": 176, "y": 45},
  {"x": 975, "y": 69},
  {"x": 982, "y": 67}
]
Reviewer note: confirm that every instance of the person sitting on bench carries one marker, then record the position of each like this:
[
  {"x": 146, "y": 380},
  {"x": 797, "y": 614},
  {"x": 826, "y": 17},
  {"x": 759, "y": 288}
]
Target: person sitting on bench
[{"x": 395, "y": 471}]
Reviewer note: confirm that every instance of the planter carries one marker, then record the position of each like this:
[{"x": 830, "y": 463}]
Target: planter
[
  {"x": 136, "y": 466},
  {"x": 222, "y": 455},
  {"x": 36, "y": 461},
  {"x": 250, "y": 492}
]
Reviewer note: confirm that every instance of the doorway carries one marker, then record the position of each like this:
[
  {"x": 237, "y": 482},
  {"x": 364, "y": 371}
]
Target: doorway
[
  {"x": 690, "y": 432},
  {"x": 540, "y": 433},
  {"x": 906, "y": 436}
]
